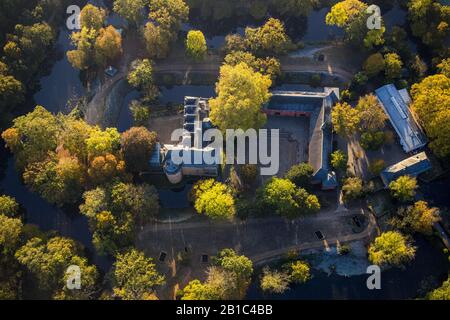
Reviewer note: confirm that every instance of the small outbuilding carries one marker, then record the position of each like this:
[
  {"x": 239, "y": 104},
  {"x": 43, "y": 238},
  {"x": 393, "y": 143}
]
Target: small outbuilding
[{"x": 412, "y": 166}]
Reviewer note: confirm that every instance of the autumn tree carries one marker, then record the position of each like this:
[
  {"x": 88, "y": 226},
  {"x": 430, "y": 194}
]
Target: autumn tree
[
  {"x": 10, "y": 234},
  {"x": 83, "y": 57},
  {"x": 196, "y": 44},
  {"x": 8, "y": 206},
  {"x": 351, "y": 15},
  {"x": 137, "y": 146},
  {"x": 299, "y": 271},
  {"x": 393, "y": 66},
  {"x": 92, "y": 17},
  {"x": 431, "y": 104},
  {"x": 441, "y": 293},
  {"x": 429, "y": 20},
  {"x": 141, "y": 77},
  {"x": 108, "y": 45},
  {"x": 345, "y": 119},
  {"x": 274, "y": 281},
  {"x": 417, "y": 218},
  {"x": 214, "y": 199},
  {"x": 444, "y": 67},
  {"x": 135, "y": 276},
  {"x": 404, "y": 188},
  {"x": 352, "y": 188},
  {"x": 267, "y": 66},
  {"x": 114, "y": 212},
  {"x": 270, "y": 39},
  {"x": 339, "y": 160},
  {"x": 241, "y": 92},
  {"x": 391, "y": 248},
  {"x": 372, "y": 116},
  {"x": 49, "y": 261},
  {"x": 131, "y": 10},
  {"x": 11, "y": 92},
  {"x": 157, "y": 41}
]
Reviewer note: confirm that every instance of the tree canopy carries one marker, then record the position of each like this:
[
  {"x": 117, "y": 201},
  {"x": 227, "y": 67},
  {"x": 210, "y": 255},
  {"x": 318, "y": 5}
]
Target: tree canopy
[
  {"x": 135, "y": 276},
  {"x": 196, "y": 44},
  {"x": 391, "y": 248},
  {"x": 431, "y": 104},
  {"x": 241, "y": 92},
  {"x": 214, "y": 199}
]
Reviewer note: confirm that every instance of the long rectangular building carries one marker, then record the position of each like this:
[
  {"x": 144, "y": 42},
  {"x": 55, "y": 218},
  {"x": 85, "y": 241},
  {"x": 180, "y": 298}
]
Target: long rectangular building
[{"x": 396, "y": 106}]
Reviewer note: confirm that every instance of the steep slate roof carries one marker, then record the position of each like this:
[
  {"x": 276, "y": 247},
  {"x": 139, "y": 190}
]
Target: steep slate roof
[
  {"x": 412, "y": 166},
  {"x": 395, "y": 104},
  {"x": 318, "y": 106}
]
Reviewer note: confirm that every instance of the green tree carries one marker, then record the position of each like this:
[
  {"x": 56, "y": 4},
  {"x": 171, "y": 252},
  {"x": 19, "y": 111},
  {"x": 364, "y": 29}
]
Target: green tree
[
  {"x": 295, "y": 7},
  {"x": 196, "y": 44},
  {"x": 274, "y": 281},
  {"x": 8, "y": 206},
  {"x": 32, "y": 136},
  {"x": 372, "y": 140},
  {"x": 391, "y": 248},
  {"x": 339, "y": 160},
  {"x": 417, "y": 218},
  {"x": 404, "y": 188},
  {"x": 135, "y": 276},
  {"x": 102, "y": 142},
  {"x": 11, "y": 92},
  {"x": 131, "y": 10},
  {"x": 10, "y": 234},
  {"x": 300, "y": 174},
  {"x": 431, "y": 104},
  {"x": 137, "y": 146},
  {"x": 287, "y": 200},
  {"x": 141, "y": 77},
  {"x": 92, "y": 17},
  {"x": 345, "y": 119},
  {"x": 374, "y": 65},
  {"x": 241, "y": 92},
  {"x": 393, "y": 66},
  {"x": 214, "y": 199}
]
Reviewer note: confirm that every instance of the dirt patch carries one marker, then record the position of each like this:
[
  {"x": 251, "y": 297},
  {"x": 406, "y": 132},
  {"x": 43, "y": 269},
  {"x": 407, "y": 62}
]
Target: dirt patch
[{"x": 164, "y": 126}]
